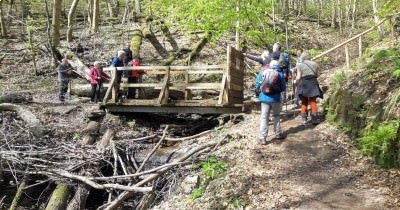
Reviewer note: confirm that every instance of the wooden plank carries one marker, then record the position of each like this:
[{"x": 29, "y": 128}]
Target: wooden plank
[
  {"x": 203, "y": 86},
  {"x": 236, "y": 94},
  {"x": 164, "y": 93},
  {"x": 236, "y": 87},
  {"x": 235, "y": 80},
  {"x": 167, "y": 109},
  {"x": 188, "y": 93},
  {"x": 222, "y": 90},
  {"x": 115, "y": 87},
  {"x": 144, "y": 85},
  {"x": 360, "y": 47},
  {"x": 110, "y": 87},
  {"x": 197, "y": 67},
  {"x": 138, "y": 102},
  {"x": 185, "y": 71},
  {"x": 164, "y": 68}
]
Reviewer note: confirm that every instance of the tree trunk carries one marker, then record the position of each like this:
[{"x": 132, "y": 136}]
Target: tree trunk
[
  {"x": 376, "y": 17},
  {"x": 198, "y": 47},
  {"x": 96, "y": 15},
  {"x": 2, "y": 22},
  {"x": 237, "y": 28},
  {"x": 137, "y": 8},
  {"x": 58, "y": 199},
  {"x": 110, "y": 8},
  {"x": 353, "y": 16},
  {"x": 136, "y": 42},
  {"x": 34, "y": 124},
  {"x": 333, "y": 13},
  {"x": 169, "y": 37},
  {"x": 71, "y": 19},
  {"x": 90, "y": 13},
  {"x": 148, "y": 34},
  {"x": 126, "y": 12},
  {"x": 304, "y": 7},
  {"x": 56, "y": 22},
  {"x": 33, "y": 50}
]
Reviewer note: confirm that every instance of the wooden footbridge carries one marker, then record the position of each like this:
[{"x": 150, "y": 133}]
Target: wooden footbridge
[{"x": 227, "y": 84}]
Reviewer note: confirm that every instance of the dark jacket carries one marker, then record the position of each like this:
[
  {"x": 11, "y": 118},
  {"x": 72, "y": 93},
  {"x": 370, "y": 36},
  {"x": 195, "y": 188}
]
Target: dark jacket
[
  {"x": 64, "y": 72},
  {"x": 258, "y": 60},
  {"x": 308, "y": 86},
  {"x": 128, "y": 54}
]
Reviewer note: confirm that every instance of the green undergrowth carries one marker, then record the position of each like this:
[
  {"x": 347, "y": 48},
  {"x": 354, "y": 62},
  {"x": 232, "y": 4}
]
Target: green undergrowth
[
  {"x": 363, "y": 104},
  {"x": 381, "y": 143},
  {"x": 210, "y": 169}
]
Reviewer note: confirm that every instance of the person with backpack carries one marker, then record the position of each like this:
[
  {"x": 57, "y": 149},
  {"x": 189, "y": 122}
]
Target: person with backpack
[
  {"x": 96, "y": 75},
  {"x": 133, "y": 77},
  {"x": 308, "y": 88},
  {"x": 270, "y": 84}
]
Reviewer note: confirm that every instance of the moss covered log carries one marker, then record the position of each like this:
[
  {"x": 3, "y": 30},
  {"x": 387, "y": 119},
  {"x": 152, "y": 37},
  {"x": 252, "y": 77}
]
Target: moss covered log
[{"x": 59, "y": 198}]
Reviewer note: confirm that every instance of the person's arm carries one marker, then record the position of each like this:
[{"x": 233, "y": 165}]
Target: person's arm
[
  {"x": 114, "y": 62},
  {"x": 298, "y": 73},
  {"x": 255, "y": 58},
  {"x": 105, "y": 75},
  {"x": 317, "y": 70}
]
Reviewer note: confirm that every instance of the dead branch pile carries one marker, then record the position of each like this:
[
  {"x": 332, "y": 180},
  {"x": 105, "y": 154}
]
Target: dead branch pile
[{"x": 78, "y": 164}]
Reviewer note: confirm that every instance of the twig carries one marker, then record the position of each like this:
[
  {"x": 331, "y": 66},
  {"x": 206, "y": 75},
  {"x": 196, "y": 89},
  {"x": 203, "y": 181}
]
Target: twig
[
  {"x": 153, "y": 150},
  {"x": 188, "y": 137}
]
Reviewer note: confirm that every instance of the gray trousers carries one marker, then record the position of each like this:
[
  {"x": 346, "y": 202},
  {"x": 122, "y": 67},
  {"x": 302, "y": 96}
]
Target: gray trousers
[{"x": 265, "y": 112}]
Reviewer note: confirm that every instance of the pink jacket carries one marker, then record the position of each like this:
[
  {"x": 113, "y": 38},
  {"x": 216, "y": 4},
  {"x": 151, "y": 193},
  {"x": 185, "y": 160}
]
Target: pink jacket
[{"x": 96, "y": 75}]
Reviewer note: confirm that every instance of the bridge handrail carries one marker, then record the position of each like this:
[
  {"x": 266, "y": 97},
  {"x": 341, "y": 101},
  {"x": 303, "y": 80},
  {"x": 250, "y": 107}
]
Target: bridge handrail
[{"x": 355, "y": 37}]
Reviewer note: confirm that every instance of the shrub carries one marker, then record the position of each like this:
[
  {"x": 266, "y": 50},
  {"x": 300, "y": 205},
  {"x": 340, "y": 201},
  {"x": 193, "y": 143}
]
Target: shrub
[{"x": 382, "y": 144}]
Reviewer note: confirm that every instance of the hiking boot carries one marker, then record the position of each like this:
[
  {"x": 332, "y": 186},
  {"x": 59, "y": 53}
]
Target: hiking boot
[
  {"x": 263, "y": 141},
  {"x": 280, "y": 136},
  {"x": 314, "y": 119},
  {"x": 304, "y": 119}
]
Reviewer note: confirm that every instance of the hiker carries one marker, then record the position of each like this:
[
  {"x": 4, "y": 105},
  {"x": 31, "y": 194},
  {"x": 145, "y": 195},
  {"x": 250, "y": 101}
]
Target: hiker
[
  {"x": 133, "y": 77},
  {"x": 264, "y": 60},
  {"x": 64, "y": 77},
  {"x": 128, "y": 53},
  {"x": 283, "y": 59},
  {"x": 297, "y": 101},
  {"x": 270, "y": 83},
  {"x": 119, "y": 62},
  {"x": 308, "y": 87},
  {"x": 96, "y": 75}
]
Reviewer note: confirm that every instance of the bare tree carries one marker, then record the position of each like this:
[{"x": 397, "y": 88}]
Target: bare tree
[
  {"x": 2, "y": 22},
  {"x": 96, "y": 15},
  {"x": 71, "y": 19},
  {"x": 56, "y": 22},
  {"x": 376, "y": 17}
]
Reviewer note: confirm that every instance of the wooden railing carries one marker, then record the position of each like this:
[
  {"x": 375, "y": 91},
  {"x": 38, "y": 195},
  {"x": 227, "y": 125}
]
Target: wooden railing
[
  {"x": 184, "y": 72},
  {"x": 359, "y": 37}
]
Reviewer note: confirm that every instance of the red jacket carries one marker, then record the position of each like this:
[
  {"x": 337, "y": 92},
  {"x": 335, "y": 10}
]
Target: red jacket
[
  {"x": 135, "y": 73},
  {"x": 96, "y": 75}
]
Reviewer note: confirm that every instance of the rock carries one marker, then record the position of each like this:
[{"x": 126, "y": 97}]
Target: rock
[{"x": 189, "y": 183}]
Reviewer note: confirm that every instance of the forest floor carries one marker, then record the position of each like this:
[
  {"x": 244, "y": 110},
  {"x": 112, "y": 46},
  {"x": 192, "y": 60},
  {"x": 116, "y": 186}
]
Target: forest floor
[{"x": 315, "y": 167}]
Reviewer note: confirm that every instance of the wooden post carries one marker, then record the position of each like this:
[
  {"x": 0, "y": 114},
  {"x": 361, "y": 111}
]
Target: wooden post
[
  {"x": 115, "y": 86},
  {"x": 360, "y": 46},
  {"x": 164, "y": 93},
  {"x": 346, "y": 50},
  {"x": 188, "y": 93}
]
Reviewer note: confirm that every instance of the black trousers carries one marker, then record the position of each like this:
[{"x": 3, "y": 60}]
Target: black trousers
[
  {"x": 95, "y": 92},
  {"x": 63, "y": 88},
  {"x": 131, "y": 90}
]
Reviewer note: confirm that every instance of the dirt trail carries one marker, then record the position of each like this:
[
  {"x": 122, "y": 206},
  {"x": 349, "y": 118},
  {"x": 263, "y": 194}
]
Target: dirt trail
[{"x": 313, "y": 168}]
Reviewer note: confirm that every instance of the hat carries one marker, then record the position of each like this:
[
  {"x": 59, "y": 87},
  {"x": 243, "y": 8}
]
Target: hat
[
  {"x": 96, "y": 63},
  {"x": 121, "y": 52}
]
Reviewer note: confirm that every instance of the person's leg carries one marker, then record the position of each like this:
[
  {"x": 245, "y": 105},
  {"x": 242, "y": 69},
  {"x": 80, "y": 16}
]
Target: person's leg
[
  {"x": 314, "y": 110},
  {"x": 98, "y": 89},
  {"x": 131, "y": 90},
  {"x": 304, "y": 104},
  {"x": 276, "y": 111},
  {"x": 134, "y": 80},
  {"x": 61, "y": 96},
  {"x": 265, "y": 110},
  {"x": 93, "y": 92},
  {"x": 63, "y": 89}
]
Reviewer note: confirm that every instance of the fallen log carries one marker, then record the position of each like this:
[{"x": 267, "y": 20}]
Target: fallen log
[
  {"x": 198, "y": 47},
  {"x": 149, "y": 35},
  {"x": 79, "y": 67},
  {"x": 18, "y": 195},
  {"x": 82, "y": 192},
  {"x": 58, "y": 199},
  {"x": 16, "y": 98},
  {"x": 27, "y": 116}
]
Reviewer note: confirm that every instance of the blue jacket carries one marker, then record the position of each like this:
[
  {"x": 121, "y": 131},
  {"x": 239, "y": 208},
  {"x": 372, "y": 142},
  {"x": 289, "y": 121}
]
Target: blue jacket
[{"x": 271, "y": 98}]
